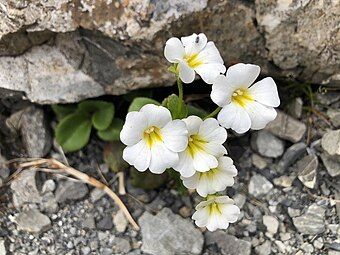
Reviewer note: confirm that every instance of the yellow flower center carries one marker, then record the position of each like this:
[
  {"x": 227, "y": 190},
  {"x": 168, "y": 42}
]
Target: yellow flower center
[
  {"x": 193, "y": 60},
  {"x": 242, "y": 97},
  {"x": 152, "y": 135},
  {"x": 196, "y": 144},
  {"x": 209, "y": 174},
  {"x": 214, "y": 208}
]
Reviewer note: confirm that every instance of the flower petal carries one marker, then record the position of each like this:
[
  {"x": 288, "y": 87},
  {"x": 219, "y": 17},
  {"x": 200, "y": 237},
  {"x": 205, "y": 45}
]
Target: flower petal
[
  {"x": 234, "y": 117},
  {"x": 242, "y": 75},
  {"x": 185, "y": 165},
  {"x": 215, "y": 149},
  {"x": 175, "y": 135},
  {"x": 174, "y": 50},
  {"x": 134, "y": 126},
  {"x": 194, "y": 43},
  {"x": 138, "y": 155},
  {"x": 221, "y": 93},
  {"x": 186, "y": 74},
  {"x": 193, "y": 124},
  {"x": 265, "y": 92},
  {"x": 157, "y": 116},
  {"x": 191, "y": 182},
  {"x": 209, "y": 72},
  {"x": 230, "y": 212},
  {"x": 204, "y": 162},
  {"x": 225, "y": 164},
  {"x": 162, "y": 158},
  {"x": 201, "y": 217},
  {"x": 260, "y": 115},
  {"x": 211, "y": 131}
]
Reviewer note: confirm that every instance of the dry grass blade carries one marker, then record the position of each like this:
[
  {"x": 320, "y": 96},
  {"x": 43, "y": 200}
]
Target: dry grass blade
[{"x": 55, "y": 164}]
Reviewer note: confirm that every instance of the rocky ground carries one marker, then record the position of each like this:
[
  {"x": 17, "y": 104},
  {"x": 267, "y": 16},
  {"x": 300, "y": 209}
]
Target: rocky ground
[{"x": 287, "y": 188}]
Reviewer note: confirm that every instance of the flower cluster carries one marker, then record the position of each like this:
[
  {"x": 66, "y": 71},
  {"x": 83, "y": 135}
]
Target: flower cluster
[{"x": 194, "y": 146}]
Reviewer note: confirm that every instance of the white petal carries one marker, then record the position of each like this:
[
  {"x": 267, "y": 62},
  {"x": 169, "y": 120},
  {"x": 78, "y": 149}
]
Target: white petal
[
  {"x": 221, "y": 93},
  {"x": 194, "y": 43},
  {"x": 201, "y": 217},
  {"x": 175, "y": 135},
  {"x": 204, "y": 187},
  {"x": 133, "y": 128},
  {"x": 209, "y": 72},
  {"x": 242, "y": 75},
  {"x": 211, "y": 131},
  {"x": 174, "y": 50},
  {"x": 210, "y": 55},
  {"x": 204, "y": 162},
  {"x": 185, "y": 165},
  {"x": 260, "y": 115},
  {"x": 193, "y": 124},
  {"x": 265, "y": 92},
  {"x": 234, "y": 117},
  {"x": 138, "y": 155},
  {"x": 230, "y": 212},
  {"x": 162, "y": 158},
  {"x": 186, "y": 74},
  {"x": 226, "y": 165},
  {"x": 157, "y": 116},
  {"x": 191, "y": 182},
  {"x": 215, "y": 149}
]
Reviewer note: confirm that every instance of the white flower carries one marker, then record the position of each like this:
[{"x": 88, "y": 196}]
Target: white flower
[
  {"x": 194, "y": 54},
  {"x": 153, "y": 140},
  {"x": 205, "y": 144},
  {"x": 215, "y": 180},
  {"x": 245, "y": 106},
  {"x": 216, "y": 213}
]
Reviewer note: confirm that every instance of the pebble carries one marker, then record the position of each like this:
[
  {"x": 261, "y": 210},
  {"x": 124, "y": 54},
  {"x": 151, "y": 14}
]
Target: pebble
[
  {"x": 307, "y": 170},
  {"x": 259, "y": 185},
  {"x": 267, "y": 144},
  {"x": 293, "y": 212},
  {"x": 294, "y": 108},
  {"x": 334, "y": 115},
  {"x": 318, "y": 243},
  {"x": 271, "y": 223},
  {"x": 121, "y": 246},
  {"x": 2, "y": 247},
  {"x": 228, "y": 244},
  {"x": 332, "y": 163},
  {"x": 312, "y": 221},
  {"x": 85, "y": 250},
  {"x": 284, "y": 181},
  {"x": 96, "y": 194},
  {"x": 89, "y": 222},
  {"x": 293, "y": 153},
  {"x": 239, "y": 200},
  {"x": 49, "y": 185},
  {"x": 105, "y": 223},
  {"x": 331, "y": 142},
  {"x": 70, "y": 190},
  {"x": 264, "y": 249},
  {"x": 168, "y": 233},
  {"x": 286, "y": 127},
  {"x": 185, "y": 211},
  {"x": 120, "y": 221},
  {"x": 32, "y": 221},
  {"x": 258, "y": 161}
]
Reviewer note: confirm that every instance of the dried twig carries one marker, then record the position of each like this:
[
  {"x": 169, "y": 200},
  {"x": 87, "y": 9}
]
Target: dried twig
[
  {"x": 55, "y": 164},
  {"x": 121, "y": 183}
]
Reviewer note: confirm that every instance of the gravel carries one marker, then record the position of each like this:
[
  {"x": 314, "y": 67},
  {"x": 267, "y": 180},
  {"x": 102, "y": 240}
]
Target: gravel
[
  {"x": 267, "y": 144},
  {"x": 259, "y": 185}
]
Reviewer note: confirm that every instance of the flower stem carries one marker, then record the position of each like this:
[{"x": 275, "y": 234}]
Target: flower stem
[
  {"x": 180, "y": 89},
  {"x": 214, "y": 113}
]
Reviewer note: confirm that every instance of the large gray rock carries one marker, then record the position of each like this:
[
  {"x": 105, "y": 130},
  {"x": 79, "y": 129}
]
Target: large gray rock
[
  {"x": 70, "y": 190},
  {"x": 267, "y": 144},
  {"x": 168, "y": 233},
  {"x": 332, "y": 163},
  {"x": 32, "y": 221},
  {"x": 64, "y": 51},
  {"x": 312, "y": 221},
  {"x": 331, "y": 142}
]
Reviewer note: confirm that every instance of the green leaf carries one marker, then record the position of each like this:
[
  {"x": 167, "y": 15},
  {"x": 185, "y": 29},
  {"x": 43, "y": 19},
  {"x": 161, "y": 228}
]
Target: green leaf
[
  {"x": 113, "y": 156},
  {"x": 63, "y": 110},
  {"x": 193, "y": 110},
  {"x": 178, "y": 108},
  {"x": 73, "y": 132},
  {"x": 112, "y": 132},
  {"x": 102, "y": 112},
  {"x": 139, "y": 102}
]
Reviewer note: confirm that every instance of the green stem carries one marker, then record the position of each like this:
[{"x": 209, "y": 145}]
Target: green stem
[
  {"x": 214, "y": 113},
  {"x": 180, "y": 89}
]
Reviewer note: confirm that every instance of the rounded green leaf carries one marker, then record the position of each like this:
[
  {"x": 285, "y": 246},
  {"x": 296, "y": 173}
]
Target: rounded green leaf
[
  {"x": 139, "y": 102},
  {"x": 112, "y": 132},
  {"x": 177, "y": 107},
  {"x": 63, "y": 110},
  {"x": 73, "y": 132}
]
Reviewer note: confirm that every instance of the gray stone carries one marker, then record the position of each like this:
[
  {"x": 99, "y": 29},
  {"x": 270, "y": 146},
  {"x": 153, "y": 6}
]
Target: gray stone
[
  {"x": 293, "y": 153},
  {"x": 258, "y": 161},
  {"x": 294, "y": 108},
  {"x": 287, "y": 127},
  {"x": 120, "y": 221},
  {"x": 284, "y": 181},
  {"x": 2, "y": 247},
  {"x": 24, "y": 189},
  {"x": 168, "y": 233},
  {"x": 228, "y": 244},
  {"x": 267, "y": 144},
  {"x": 49, "y": 186},
  {"x": 334, "y": 115},
  {"x": 49, "y": 203},
  {"x": 307, "y": 170},
  {"x": 264, "y": 249},
  {"x": 96, "y": 194},
  {"x": 332, "y": 163},
  {"x": 331, "y": 142},
  {"x": 88, "y": 222},
  {"x": 271, "y": 223},
  {"x": 70, "y": 190},
  {"x": 312, "y": 221},
  {"x": 259, "y": 185},
  {"x": 105, "y": 223},
  {"x": 33, "y": 221},
  {"x": 239, "y": 200},
  {"x": 121, "y": 245}
]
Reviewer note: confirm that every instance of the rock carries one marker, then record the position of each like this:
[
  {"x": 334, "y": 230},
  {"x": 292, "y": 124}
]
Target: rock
[
  {"x": 120, "y": 221},
  {"x": 332, "y": 163},
  {"x": 228, "y": 244},
  {"x": 287, "y": 127},
  {"x": 105, "y": 223},
  {"x": 96, "y": 49},
  {"x": 167, "y": 233},
  {"x": 284, "y": 181},
  {"x": 312, "y": 221},
  {"x": 266, "y": 144},
  {"x": 264, "y": 249},
  {"x": 49, "y": 186},
  {"x": 2, "y": 247},
  {"x": 184, "y": 211},
  {"x": 307, "y": 170},
  {"x": 33, "y": 221},
  {"x": 24, "y": 189},
  {"x": 121, "y": 246},
  {"x": 239, "y": 200},
  {"x": 35, "y": 134},
  {"x": 88, "y": 222},
  {"x": 334, "y": 115},
  {"x": 259, "y": 185},
  {"x": 293, "y": 212},
  {"x": 291, "y": 155},
  {"x": 258, "y": 161},
  {"x": 331, "y": 142},
  {"x": 70, "y": 190},
  {"x": 49, "y": 203},
  {"x": 295, "y": 107},
  {"x": 96, "y": 194},
  {"x": 271, "y": 223}
]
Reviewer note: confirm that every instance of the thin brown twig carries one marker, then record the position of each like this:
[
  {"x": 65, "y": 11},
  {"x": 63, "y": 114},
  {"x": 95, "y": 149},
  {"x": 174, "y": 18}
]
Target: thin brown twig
[
  {"x": 322, "y": 197},
  {"x": 55, "y": 164},
  {"x": 121, "y": 183}
]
